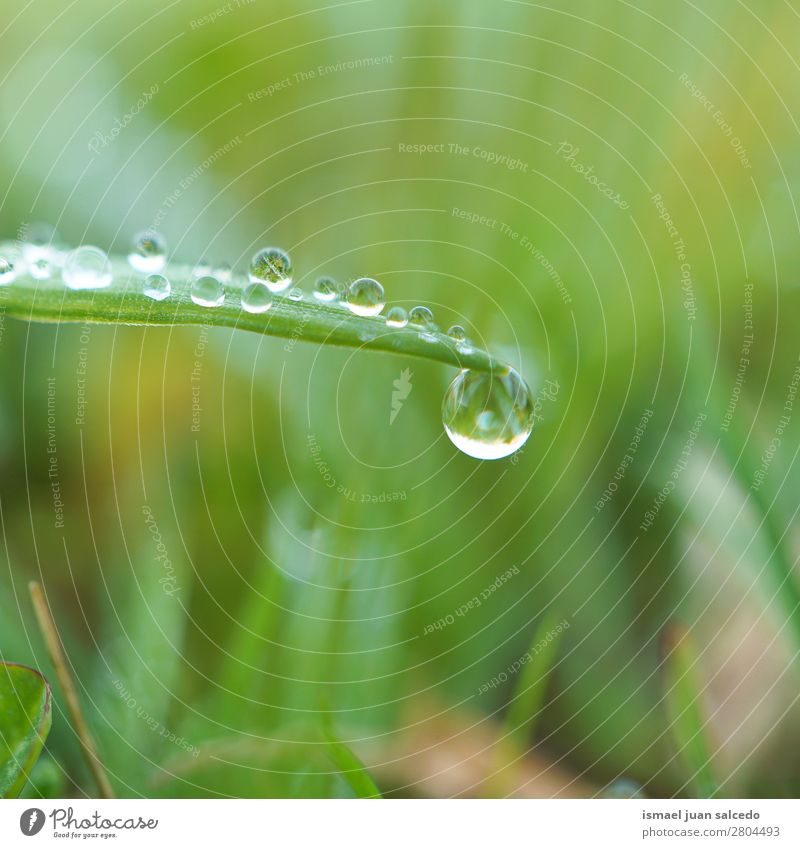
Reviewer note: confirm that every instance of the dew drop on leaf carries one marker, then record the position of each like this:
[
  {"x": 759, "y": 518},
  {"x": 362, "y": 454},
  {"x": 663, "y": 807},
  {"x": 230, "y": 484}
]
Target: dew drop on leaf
[
  {"x": 156, "y": 287},
  {"x": 396, "y": 317},
  {"x": 422, "y": 318},
  {"x": 40, "y": 269},
  {"x": 8, "y": 271},
  {"x": 40, "y": 241},
  {"x": 488, "y": 415},
  {"x": 87, "y": 267},
  {"x": 149, "y": 252},
  {"x": 256, "y": 298},
  {"x": 365, "y": 297},
  {"x": 457, "y": 333},
  {"x": 208, "y": 291},
  {"x": 326, "y": 289},
  {"x": 223, "y": 271},
  {"x": 271, "y": 266}
]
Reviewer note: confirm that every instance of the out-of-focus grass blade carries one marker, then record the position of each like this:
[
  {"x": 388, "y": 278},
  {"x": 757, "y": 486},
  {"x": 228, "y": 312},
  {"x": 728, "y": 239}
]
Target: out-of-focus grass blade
[
  {"x": 526, "y": 703},
  {"x": 25, "y": 716},
  {"x": 684, "y": 709},
  {"x": 349, "y": 765}
]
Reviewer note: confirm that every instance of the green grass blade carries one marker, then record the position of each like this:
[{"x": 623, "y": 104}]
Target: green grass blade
[
  {"x": 306, "y": 320},
  {"x": 685, "y": 713},
  {"x": 528, "y": 697},
  {"x": 349, "y": 765},
  {"x": 25, "y": 717}
]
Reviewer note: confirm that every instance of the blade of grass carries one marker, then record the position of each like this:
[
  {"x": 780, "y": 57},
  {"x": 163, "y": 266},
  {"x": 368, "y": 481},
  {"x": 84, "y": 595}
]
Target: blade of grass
[
  {"x": 685, "y": 714},
  {"x": 526, "y": 702},
  {"x": 307, "y": 320},
  {"x": 349, "y": 765},
  {"x": 53, "y": 643},
  {"x": 525, "y": 705}
]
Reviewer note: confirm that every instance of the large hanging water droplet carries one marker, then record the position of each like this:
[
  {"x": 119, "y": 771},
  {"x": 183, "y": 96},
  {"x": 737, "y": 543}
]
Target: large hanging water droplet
[
  {"x": 396, "y": 317},
  {"x": 326, "y": 289},
  {"x": 156, "y": 287},
  {"x": 256, "y": 298},
  {"x": 365, "y": 297},
  {"x": 87, "y": 267},
  {"x": 208, "y": 291},
  {"x": 271, "y": 266},
  {"x": 488, "y": 416},
  {"x": 149, "y": 252}
]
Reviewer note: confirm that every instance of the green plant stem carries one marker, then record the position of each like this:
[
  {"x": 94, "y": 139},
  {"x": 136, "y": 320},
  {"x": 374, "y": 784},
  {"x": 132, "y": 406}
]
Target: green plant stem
[
  {"x": 53, "y": 643},
  {"x": 688, "y": 724},
  {"x": 307, "y": 320}
]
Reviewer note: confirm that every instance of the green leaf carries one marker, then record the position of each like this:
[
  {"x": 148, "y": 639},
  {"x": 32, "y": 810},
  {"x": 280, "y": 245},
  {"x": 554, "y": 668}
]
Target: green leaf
[
  {"x": 25, "y": 716},
  {"x": 685, "y": 714},
  {"x": 307, "y": 320},
  {"x": 349, "y": 765},
  {"x": 526, "y": 703}
]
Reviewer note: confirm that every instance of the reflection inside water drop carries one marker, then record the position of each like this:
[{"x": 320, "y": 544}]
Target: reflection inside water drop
[
  {"x": 396, "y": 317},
  {"x": 271, "y": 266},
  {"x": 326, "y": 289},
  {"x": 148, "y": 252},
  {"x": 365, "y": 297}
]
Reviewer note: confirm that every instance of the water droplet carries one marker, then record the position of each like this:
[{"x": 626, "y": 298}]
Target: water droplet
[
  {"x": 40, "y": 241},
  {"x": 223, "y": 271},
  {"x": 271, "y": 266},
  {"x": 202, "y": 269},
  {"x": 396, "y": 317},
  {"x": 8, "y": 270},
  {"x": 208, "y": 291},
  {"x": 256, "y": 298},
  {"x": 157, "y": 287},
  {"x": 624, "y": 787},
  {"x": 296, "y": 294},
  {"x": 40, "y": 269},
  {"x": 326, "y": 289},
  {"x": 457, "y": 333},
  {"x": 149, "y": 252},
  {"x": 87, "y": 267},
  {"x": 422, "y": 318},
  {"x": 365, "y": 297},
  {"x": 488, "y": 416}
]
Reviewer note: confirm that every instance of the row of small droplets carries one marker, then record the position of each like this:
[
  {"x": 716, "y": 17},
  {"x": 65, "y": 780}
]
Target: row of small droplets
[{"x": 270, "y": 273}]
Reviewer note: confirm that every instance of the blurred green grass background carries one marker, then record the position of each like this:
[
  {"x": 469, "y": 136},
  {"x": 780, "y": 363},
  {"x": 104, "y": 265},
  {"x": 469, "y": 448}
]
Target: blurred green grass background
[{"x": 297, "y": 598}]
